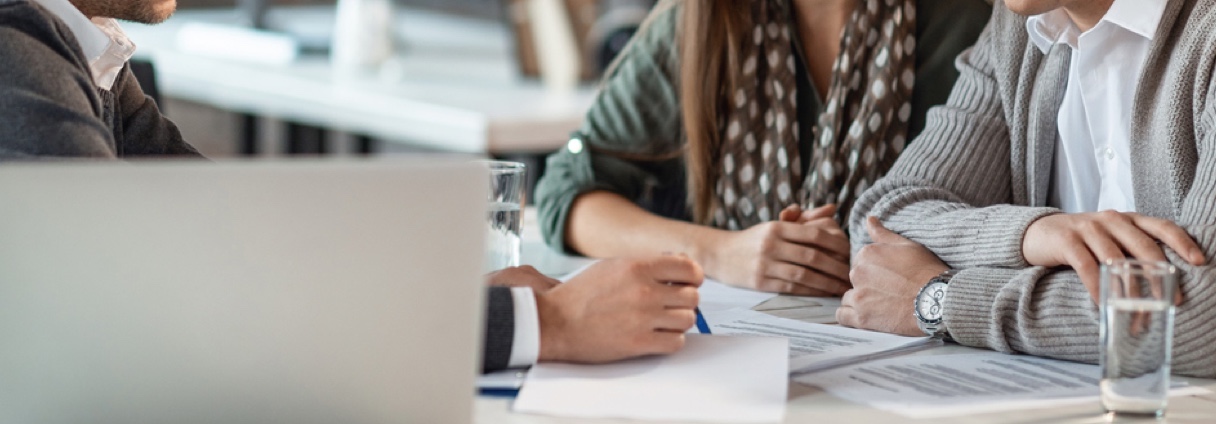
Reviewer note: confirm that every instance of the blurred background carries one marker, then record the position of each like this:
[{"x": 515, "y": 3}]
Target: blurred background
[{"x": 504, "y": 78}]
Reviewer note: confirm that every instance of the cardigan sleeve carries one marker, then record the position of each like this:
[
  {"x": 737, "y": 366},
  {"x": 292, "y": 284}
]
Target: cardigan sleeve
[
  {"x": 951, "y": 188},
  {"x": 950, "y": 192},
  {"x": 637, "y": 111}
]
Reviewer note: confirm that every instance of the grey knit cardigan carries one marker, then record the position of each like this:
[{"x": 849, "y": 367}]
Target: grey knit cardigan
[{"x": 980, "y": 174}]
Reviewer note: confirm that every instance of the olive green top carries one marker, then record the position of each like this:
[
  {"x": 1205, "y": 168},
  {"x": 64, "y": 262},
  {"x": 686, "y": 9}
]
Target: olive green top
[{"x": 638, "y": 111}]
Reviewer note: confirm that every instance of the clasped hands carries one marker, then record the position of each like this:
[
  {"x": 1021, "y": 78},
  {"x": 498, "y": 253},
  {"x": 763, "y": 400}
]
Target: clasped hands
[{"x": 803, "y": 253}]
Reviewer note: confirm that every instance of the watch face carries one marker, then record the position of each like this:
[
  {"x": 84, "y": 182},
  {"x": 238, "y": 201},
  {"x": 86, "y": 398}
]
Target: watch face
[{"x": 929, "y": 304}]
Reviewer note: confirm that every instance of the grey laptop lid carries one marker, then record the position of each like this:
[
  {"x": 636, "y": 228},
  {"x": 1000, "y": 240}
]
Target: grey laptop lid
[{"x": 240, "y": 292}]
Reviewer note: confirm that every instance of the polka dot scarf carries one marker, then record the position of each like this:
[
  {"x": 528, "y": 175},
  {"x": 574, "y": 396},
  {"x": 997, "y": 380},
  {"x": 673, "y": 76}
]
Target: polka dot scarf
[{"x": 861, "y": 131}]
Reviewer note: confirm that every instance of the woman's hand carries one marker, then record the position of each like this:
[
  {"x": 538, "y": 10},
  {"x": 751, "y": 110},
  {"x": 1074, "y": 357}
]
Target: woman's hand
[{"x": 805, "y": 253}]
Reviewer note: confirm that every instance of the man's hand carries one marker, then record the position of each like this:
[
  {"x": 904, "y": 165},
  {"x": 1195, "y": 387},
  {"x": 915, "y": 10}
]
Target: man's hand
[
  {"x": 1083, "y": 241},
  {"x": 887, "y": 275},
  {"x": 524, "y": 276},
  {"x": 805, "y": 253},
  {"x": 619, "y": 309}
]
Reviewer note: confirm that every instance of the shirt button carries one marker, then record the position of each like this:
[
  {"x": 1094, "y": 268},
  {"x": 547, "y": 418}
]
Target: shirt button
[
  {"x": 1110, "y": 153},
  {"x": 575, "y": 146}
]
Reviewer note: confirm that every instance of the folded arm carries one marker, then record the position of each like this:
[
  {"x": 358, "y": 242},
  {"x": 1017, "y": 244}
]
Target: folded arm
[{"x": 947, "y": 193}]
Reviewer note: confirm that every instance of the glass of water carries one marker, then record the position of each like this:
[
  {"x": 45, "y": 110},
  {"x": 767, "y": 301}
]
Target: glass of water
[
  {"x": 1137, "y": 331},
  {"x": 504, "y": 217}
]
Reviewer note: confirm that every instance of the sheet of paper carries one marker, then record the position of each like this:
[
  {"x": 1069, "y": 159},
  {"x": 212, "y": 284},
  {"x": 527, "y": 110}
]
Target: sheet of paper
[
  {"x": 815, "y": 346},
  {"x": 502, "y": 380},
  {"x": 713, "y": 379},
  {"x": 716, "y": 296},
  {"x": 932, "y": 386}
]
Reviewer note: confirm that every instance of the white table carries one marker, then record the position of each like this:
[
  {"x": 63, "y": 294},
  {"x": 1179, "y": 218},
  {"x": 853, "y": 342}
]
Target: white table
[
  {"x": 810, "y": 405},
  {"x": 454, "y": 86}
]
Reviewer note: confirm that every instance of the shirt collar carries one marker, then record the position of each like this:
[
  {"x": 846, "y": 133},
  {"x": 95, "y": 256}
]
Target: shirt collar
[
  {"x": 1141, "y": 17},
  {"x": 1051, "y": 28},
  {"x": 102, "y": 40}
]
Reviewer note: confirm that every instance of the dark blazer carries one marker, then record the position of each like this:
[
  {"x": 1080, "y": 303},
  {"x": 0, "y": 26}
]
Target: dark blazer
[
  {"x": 50, "y": 107},
  {"x": 500, "y": 329}
]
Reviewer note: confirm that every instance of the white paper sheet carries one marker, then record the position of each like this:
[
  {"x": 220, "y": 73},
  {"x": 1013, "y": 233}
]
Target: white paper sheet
[
  {"x": 933, "y": 386},
  {"x": 815, "y": 346},
  {"x": 713, "y": 379},
  {"x": 502, "y": 380},
  {"x": 716, "y": 296}
]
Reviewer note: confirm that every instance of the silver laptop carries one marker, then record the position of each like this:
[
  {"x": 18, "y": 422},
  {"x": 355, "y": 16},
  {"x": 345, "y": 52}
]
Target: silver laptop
[{"x": 240, "y": 292}]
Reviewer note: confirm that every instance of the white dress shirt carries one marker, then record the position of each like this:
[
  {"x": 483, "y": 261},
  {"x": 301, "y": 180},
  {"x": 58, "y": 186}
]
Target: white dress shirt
[
  {"x": 1093, "y": 151},
  {"x": 525, "y": 345},
  {"x": 102, "y": 40}
]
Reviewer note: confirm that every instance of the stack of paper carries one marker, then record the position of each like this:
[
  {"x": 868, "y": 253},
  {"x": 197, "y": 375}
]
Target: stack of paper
[
  {"x": 713, "y": 379},
  {"x": 816, "y": 347},
  {"x": 931, "y": 386}
]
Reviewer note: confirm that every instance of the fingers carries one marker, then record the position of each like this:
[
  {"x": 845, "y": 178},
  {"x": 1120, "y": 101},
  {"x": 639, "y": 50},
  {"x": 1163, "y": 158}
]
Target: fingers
[
  {"x": 679, "y": 320},
  {"x": 775, "y": 285},
  {"x": 825, "y": 211},
  {"x": 1133, "y": 239},
  {"x": 812, "y": 258},
  {"x": 1105, "y": 249},
  {"x": 815, "y": 236},
  {"x": 847, "y": 316},
  {"x": 880, "y": 233},
  {"x": 678, "y": 269},
  {"x": 680, "y": 296},
  {"x": 809, "y": 278},
  {"x": 794, "y": 213},
  {"x": 1173, "y": 236},
  {"x": 1082, "y": 261}
]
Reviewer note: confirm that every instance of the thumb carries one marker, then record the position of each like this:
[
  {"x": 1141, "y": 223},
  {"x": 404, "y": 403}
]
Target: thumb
[
  {"x": 790, "y": 214},
  {"x": 881, "y": 234}
]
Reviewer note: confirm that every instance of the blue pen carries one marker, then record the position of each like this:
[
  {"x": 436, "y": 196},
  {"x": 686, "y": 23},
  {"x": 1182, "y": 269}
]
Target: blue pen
[{"x": 702, "y": 326}]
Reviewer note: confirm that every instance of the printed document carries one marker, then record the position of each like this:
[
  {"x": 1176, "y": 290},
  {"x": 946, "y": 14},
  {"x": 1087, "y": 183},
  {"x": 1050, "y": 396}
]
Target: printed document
[
  {"x": 816, "y": 346},
  {"x": 713, "y": 379},
  {"x": 933, "y": 386}
]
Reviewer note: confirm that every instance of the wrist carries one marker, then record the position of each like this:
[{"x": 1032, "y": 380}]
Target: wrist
[
  {"x": 706, "y": 248},
  {"x": 552, "y": 328},
  {"x": 929, "y": 306},
  {"x": 1031, "y": 238}
]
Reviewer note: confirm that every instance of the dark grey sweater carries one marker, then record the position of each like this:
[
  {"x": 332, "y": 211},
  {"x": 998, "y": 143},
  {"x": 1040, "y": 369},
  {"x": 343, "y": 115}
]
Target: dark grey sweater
[{"x": 50, "y": 108}]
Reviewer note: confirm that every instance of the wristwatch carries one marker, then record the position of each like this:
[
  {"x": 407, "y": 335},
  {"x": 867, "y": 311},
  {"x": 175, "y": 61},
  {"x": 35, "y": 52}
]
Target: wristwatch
[{"x": 930, "y": 306}]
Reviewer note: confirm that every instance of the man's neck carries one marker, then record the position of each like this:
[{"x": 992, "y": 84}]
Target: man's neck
[{"x": 1086, "y": 14}]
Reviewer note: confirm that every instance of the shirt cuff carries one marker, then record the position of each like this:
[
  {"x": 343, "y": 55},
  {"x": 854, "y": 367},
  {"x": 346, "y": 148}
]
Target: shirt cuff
[{"x": 525, "y": 345}]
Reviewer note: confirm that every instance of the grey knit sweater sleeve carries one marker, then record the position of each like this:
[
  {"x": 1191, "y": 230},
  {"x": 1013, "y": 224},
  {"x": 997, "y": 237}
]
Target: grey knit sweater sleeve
[{"x": 961, "y": 189}]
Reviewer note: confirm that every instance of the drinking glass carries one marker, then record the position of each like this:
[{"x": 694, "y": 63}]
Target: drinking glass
[
  {"x": 504, "y": 214},
  {"x": 1137, "y": 331}
]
